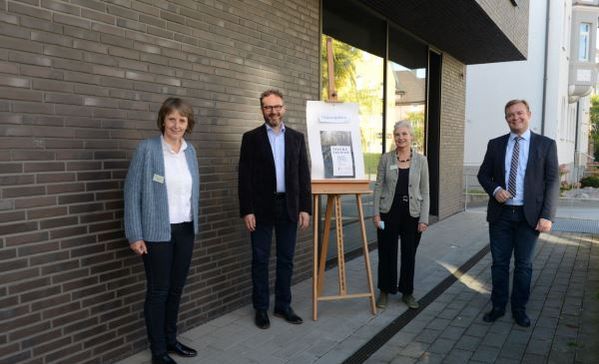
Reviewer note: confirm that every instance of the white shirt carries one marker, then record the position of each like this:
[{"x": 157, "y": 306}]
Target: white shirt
[
  {"x": 277, "y": 146},
  {"x": 178, "y": 183},
  {"x": 524, "y": 145}
]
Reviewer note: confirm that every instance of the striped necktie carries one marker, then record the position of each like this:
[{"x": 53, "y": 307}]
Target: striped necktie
[{"x": 511, "y": 184}]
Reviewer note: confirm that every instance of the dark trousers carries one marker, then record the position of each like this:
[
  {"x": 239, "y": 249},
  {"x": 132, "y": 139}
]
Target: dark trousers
[
  {"x": 166, "y": 266},
  {"x": 510, "y": 233},
  {"x": 398, "y": 224},
  {"x": 285, "y": 237}
]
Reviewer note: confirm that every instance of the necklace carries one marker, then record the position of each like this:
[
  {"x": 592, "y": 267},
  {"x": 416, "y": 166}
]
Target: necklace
[{"x": 403, "y": 160}]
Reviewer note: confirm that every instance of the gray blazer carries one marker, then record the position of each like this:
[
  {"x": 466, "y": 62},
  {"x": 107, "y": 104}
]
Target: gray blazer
[
  {"x": 146, "y": 201},
  {"x": 418, "y": 187}
]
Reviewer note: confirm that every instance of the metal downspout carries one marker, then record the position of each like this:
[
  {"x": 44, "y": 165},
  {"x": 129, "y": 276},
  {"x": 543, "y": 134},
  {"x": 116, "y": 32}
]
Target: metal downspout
[
  {"x": 576, "y": 162},
  {"x": 545, "y": 68},
  {"x": 385, "y": 96}
]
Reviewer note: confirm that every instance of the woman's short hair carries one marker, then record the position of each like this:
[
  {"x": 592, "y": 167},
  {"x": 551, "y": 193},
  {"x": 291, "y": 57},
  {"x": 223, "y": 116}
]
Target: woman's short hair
[
  {"x": 175, "y": 104},
  {"x": 404, "y": 124}
]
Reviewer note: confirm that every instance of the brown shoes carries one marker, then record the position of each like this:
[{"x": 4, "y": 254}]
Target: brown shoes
[
  {"x": 381, "y": 302},
  {"x": 410, "y": 301}
]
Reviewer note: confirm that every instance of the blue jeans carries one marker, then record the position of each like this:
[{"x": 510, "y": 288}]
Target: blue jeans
[
  {"x": 166, "y": 266},
  {"x": 285, "y": 236},
  {"x": 510, "y": 233}
]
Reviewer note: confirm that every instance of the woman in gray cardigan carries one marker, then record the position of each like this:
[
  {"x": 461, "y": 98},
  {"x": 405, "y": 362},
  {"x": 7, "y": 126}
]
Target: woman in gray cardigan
[
  {"x": 161, "y": 221},
  {"x": 401, "y": 208}
]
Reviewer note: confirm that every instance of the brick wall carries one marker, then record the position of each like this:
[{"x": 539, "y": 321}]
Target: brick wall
[
  {"x": 80, "y": 84},
  {"x": 451, "y": 158}
]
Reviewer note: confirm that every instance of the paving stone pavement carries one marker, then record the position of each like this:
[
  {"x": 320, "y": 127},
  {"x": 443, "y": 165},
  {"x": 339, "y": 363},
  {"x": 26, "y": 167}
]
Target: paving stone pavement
[
  {"x": 564, "y": 310},
  {"x": 343, "y": 326}
]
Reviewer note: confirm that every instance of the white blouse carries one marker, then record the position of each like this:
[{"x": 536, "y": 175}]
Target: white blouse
[{"x": 178, "y": 183}]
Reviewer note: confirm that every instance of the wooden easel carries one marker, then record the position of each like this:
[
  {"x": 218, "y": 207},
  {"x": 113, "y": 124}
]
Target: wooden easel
[{"x": 334, "y": 189}]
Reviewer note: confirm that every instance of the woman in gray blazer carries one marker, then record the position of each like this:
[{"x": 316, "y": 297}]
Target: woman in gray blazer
[
  {"x": 401, "y": 208},
  {"x": 161, "y": 220}
]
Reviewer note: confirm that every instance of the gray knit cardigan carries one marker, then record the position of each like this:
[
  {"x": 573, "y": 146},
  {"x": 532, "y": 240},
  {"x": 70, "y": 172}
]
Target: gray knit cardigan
[{"x": 146, "y": 201}]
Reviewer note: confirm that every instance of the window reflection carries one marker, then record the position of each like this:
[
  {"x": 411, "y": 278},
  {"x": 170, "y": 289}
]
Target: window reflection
[
  {"x": 406, "y": 93},
  {"x": 406, "y": 86},
  {"x": 359, "y": 79},
  {"x": 584, "y": 40}
]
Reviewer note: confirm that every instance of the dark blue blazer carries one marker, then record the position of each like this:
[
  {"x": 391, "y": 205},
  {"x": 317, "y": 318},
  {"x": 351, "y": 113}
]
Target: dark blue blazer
[
  {"x": 541, "y": 179},
  {"x": 257, "y": 182}
]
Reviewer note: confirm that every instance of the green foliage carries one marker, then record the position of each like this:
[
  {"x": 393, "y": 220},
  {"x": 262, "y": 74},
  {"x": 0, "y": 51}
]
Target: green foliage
[
  {"x": 345, "y": 58},
  {"x": 594, "y": 116},
  {"x": 346, "y": 61},
  {"x": 371, "y": 161},
  {"x": 565, "y": 186},
  {"x": 595, "y": 110},
  {"x": 590, "y": 181}
]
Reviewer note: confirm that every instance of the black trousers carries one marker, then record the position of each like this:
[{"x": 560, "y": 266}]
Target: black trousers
[
  {"x": 166, "y": 266},
  {"x": 398, "y": 224},
  {"x": 285, "y": 239}
]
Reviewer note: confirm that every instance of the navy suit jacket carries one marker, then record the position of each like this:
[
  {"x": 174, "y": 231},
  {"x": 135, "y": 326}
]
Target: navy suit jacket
[
  {"x": 257, "y": 182},
  {"x": 541, "y": 179}
]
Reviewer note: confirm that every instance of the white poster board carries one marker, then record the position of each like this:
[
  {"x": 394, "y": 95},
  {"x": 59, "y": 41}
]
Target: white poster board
[{"x": 334, "y": 139}]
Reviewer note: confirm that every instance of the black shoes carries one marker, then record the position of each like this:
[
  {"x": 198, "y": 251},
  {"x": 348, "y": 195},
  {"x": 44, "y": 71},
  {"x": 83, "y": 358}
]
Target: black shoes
[
  {"x": 177, "y": 348},
  {"x": 261, "y": 319},
  {"x": 181, "y": 350},
  {"x": 521, "y": 318},
  {"x": 162, "y": 359},
  {"x": 493, "y": 315},
  {"x": 289, "y": 316}
]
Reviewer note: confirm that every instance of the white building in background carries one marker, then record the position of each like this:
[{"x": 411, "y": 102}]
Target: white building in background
[{"x": 557, "y": 80}]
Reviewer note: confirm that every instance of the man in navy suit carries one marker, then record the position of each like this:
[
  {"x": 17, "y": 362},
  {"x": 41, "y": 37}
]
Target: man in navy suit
[
  {"x": 520, "y": 174},
  {"x": 274, "y": 193}
]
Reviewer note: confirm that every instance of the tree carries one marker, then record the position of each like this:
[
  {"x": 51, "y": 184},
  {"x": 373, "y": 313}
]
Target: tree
[
  {"x": 345, "y": 59},
  {"x": 348, "y": 61}
]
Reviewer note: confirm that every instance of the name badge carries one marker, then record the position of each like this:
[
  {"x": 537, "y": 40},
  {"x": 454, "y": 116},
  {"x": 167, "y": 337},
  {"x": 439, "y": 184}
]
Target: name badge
[
  {"x": 393, "y": 167},
  {"x": 158, "y": 178}
]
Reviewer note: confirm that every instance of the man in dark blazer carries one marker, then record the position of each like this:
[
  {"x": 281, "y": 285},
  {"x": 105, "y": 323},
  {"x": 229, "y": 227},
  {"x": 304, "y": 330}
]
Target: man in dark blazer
[
  {"x": 520, "y": 174},
  {"x": 274, "y": 193}
]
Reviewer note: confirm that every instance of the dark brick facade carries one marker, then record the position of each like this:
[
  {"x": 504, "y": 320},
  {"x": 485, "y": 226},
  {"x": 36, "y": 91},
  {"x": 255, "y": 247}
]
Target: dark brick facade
[{"x": 80, "y": 85}]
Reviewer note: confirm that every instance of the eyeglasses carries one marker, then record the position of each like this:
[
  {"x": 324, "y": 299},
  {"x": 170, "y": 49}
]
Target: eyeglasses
[{"x": 271, "y": 108}]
